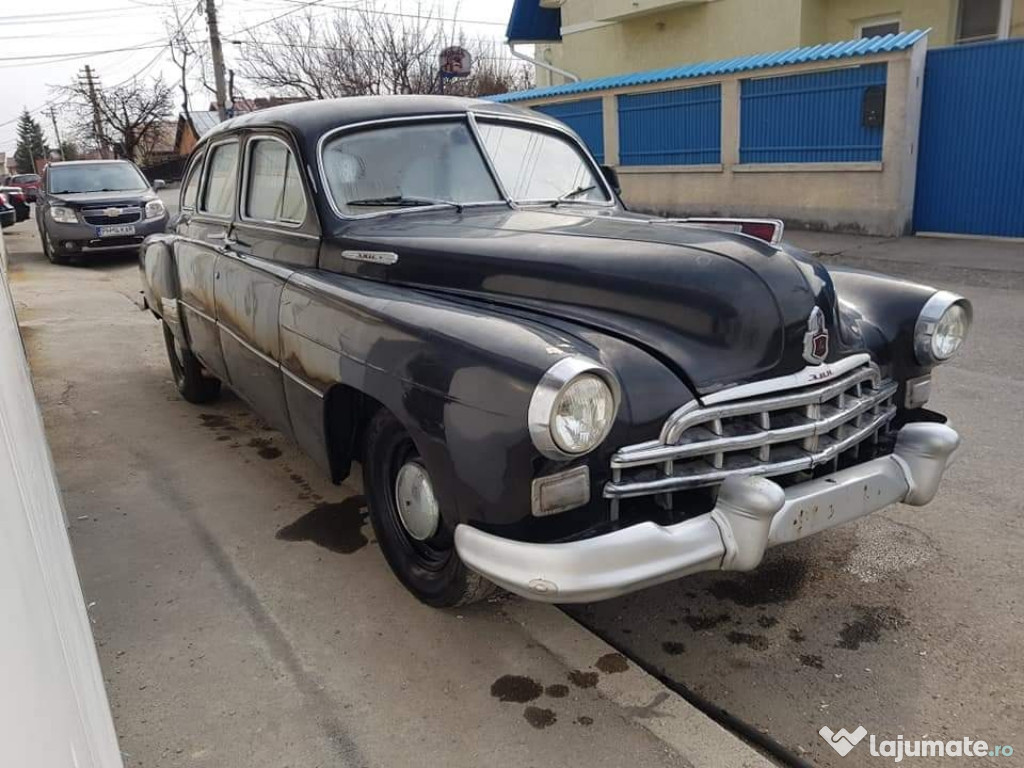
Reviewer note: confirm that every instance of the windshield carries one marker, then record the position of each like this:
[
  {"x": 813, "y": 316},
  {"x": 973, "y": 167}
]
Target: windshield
[
  {"x": 94, "y": 177},
  {"x": 25, "y": 178},
  {"x": 536, "y": 166},
  {"x": 439, "y": 162},
  {"x": 405, "y": 166}
]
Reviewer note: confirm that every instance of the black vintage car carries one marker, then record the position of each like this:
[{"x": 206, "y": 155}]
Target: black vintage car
[{"x": 545, "y": 391}]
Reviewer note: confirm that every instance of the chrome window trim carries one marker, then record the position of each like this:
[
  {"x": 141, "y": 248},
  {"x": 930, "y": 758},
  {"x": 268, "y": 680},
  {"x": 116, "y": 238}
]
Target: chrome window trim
[
  {"x": 201, "y": 199},
  {"x": 243, "y": 199},
  {"x": 289, "y": 233},
  {"x": 927, "y": 320},
  {"x": 545, "y": 397},
  {"x": 200, "y": 160}
]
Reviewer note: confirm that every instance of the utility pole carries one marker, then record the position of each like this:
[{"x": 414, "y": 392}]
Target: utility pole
[
  {"x": 56, "y": 131},
  {"x": 218, "y": 59},
  {"x": 97, "y": 119}
]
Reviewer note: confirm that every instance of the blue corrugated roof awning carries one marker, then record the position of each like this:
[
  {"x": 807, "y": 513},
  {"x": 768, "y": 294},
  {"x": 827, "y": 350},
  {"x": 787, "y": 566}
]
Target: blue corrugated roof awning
[
  {"x": 529, "y": 23},
  {"x": 823, "y": 52}
]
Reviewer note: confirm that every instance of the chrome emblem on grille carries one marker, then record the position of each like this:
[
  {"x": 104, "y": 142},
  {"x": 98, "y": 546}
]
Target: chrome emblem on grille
[
  {"x": 816, "y": 338},
  {"x": 111, "y": 213}
]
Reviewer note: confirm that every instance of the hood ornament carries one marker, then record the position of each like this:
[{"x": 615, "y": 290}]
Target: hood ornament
[{"x": 816, "y": 338}]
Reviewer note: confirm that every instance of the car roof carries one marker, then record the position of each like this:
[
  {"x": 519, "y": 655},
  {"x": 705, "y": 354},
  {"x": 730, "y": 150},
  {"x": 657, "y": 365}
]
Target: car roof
[
  {"x": 309, "y": 119},
  {"x": 63, "y": 163}
]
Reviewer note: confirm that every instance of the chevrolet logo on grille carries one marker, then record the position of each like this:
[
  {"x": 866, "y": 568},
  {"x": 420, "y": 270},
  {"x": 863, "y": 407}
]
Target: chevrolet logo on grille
[{"x": 112, "y": 213}]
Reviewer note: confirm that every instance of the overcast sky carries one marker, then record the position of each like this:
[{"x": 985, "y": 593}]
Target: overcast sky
[{"x": 77, "y": 32}]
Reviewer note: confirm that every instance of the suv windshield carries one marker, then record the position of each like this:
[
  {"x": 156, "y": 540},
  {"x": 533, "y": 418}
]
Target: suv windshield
[
  {"x": 439, "y": 162},
  {"x": 94, "y": 177}
]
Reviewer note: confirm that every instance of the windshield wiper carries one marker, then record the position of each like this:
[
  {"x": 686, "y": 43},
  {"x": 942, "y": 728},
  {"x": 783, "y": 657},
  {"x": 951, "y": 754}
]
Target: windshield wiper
[
  {"x": 403, "y": 201},
  {"x": 573, "y": 193}
]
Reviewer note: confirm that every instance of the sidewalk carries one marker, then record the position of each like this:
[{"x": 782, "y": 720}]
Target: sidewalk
[{"x": 981, "y": 263}]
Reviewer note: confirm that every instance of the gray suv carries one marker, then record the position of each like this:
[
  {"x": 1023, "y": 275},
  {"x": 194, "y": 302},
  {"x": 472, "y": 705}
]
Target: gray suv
[{"x": 94, "y": 206}]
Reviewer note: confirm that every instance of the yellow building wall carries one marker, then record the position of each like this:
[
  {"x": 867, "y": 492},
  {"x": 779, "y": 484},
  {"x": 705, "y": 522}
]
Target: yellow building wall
[
  {"x": 725, "y": 28},
  {"x": 714, "y": 30}
]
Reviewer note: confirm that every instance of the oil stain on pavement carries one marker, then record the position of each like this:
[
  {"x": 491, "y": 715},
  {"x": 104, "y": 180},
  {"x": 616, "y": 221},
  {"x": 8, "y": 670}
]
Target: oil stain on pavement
[
  {"x": 516, "y": 689},
  {"x": 337, "y": 527}
]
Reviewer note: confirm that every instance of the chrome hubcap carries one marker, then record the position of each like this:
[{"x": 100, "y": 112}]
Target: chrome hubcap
[{"x": 417, "y": 505}]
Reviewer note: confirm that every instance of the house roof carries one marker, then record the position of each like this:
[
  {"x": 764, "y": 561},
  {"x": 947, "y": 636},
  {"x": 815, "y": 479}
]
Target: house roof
[
  {"x": 824, "y": 52},
  {"x": 204, "y": 122},
  {"x": 530, "y": 23}
]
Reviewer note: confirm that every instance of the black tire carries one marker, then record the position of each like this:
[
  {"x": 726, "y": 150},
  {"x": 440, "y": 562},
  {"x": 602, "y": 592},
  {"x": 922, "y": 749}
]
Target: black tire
[
  {"x": 51, "y": 250},
  {"x": 192, "y": 383},
  {"x": 430, "y": 569}
]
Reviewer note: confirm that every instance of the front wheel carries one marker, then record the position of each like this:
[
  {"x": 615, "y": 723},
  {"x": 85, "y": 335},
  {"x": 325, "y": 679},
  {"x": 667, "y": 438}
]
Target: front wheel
[
  {"x": 51, "y": 250},
  {"x": 407, "y": 520},
  {"x": 192, "y": 383}
]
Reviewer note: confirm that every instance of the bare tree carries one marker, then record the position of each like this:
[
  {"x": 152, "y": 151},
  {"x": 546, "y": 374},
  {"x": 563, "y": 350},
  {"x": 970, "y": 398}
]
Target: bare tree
[
  {"x": 365, "y": 52},
  {"x": 132, "y": 112},
  {"x": 179, "y": 32}
]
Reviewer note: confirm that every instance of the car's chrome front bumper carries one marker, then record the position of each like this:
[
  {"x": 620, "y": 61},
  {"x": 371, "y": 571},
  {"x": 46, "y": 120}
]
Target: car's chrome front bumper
[{"x": 752, "y": 514}]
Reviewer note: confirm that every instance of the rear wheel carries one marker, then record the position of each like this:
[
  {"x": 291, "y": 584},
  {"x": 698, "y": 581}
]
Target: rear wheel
[
  {"x": 192, "y": 383},
  {"x": 51, "y": 250},
  {"x": 406, "y": 517}
]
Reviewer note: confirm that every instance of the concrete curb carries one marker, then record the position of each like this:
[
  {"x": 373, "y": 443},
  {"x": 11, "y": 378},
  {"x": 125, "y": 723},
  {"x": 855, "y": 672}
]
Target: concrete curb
[{"x": 644, "y": 701}]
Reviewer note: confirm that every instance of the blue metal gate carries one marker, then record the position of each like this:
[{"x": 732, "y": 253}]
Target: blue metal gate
[{"x": 970, "y": 170}]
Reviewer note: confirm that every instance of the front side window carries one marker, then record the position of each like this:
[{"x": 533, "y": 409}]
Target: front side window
[
  {"x": 221, "y": 179},
  {"x": 274, "y": 187},
  {"x": 534, "y": 165},
  {"x": 406, "y": 165},
  {"x": 190, "y": 194},
  {"x": 94, "y": 177}
]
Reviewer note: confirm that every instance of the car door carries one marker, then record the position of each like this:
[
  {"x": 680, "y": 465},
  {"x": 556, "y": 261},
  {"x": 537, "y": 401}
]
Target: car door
[
  {"x": 207, "y": 211},
  {"x": 275, "y": 234}
]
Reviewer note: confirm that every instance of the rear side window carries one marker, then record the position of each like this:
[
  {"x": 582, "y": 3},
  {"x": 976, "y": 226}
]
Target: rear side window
[
  {"x": 221, "y": 179},
  {"x": 190, "y": 195},
  {"x": 274, "y": 186}
]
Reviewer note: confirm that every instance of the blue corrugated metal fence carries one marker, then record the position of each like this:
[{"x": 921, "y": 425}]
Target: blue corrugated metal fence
[
  {"x": 812, "y": 118},
  {"x": 682, "y": 127},
  {"x": 970, "y": 171},
  {"x": 585, "y": 117}
]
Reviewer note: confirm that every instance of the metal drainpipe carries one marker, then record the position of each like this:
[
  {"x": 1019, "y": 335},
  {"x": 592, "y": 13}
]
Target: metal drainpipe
[{"x": 537, "y": 62}]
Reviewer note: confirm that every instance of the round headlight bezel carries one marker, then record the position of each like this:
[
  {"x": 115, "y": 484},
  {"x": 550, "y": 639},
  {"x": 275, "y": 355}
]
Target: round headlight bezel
[
  {"x": 547, "y": 397},
  {"x": 928, "y": 321}
]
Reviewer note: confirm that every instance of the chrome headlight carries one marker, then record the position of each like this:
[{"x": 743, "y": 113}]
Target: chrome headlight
[
  {"x": 155, "y": 209},
  {"x": 573, "y": 408},
  {"x": 941, "y": 328},
  {"x": 63, "y": 215}
]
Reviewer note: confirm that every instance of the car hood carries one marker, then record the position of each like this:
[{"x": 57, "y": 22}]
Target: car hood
[
  {"x": 720, "y": 309},
  {"x": 79, "y": 199}
]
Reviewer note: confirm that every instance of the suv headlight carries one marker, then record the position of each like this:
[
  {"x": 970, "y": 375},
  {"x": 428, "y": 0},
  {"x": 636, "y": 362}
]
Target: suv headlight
[
  {"x": 573, "y": 408},
  {"x": 942, "y": 327},
  {"x": 63, "y": 215},
  {"x": 155, "y": 209}
]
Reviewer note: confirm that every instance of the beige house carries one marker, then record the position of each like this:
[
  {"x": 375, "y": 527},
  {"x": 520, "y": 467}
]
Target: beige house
[{"x": 606, "y": 37}]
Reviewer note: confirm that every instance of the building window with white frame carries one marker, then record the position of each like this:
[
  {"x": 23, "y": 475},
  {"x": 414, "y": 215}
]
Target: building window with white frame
[
  {"x": 877, "y": 27},
  {"x": 981, "y": 20}
]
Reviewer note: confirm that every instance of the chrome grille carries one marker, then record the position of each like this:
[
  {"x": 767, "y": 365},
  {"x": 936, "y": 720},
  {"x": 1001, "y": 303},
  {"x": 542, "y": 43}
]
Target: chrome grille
[
  {"x": 97, "y": 215},
  {"x": 777, "y": 434}
]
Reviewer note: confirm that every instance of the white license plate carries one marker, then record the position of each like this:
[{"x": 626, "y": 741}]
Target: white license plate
[{"x": 117, "y": 230}]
